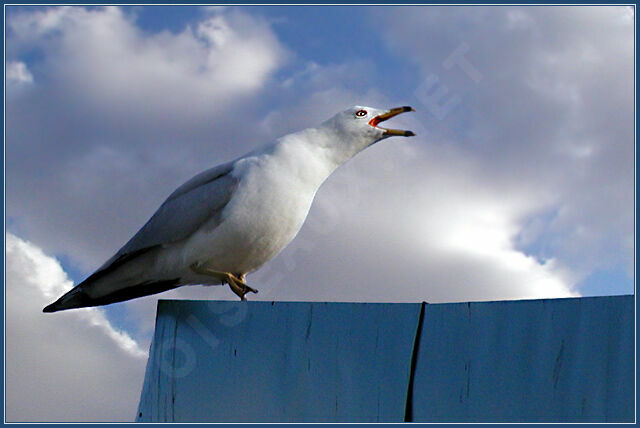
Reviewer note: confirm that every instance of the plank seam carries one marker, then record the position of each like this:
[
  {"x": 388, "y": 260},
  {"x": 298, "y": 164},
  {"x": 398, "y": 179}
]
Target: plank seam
[{"x": 408, "y": 408}]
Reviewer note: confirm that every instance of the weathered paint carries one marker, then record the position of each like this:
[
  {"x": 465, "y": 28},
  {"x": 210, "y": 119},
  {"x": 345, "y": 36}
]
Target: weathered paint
[
  {"x": 539, "y": 360},
  {"x": 527, "y": 361},
  {"x": 263, "y": 361}
]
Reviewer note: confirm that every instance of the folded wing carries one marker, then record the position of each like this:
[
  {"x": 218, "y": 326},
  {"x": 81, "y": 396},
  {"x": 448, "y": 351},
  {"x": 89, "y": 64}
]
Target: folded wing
[{"x": 197, "y": 201}]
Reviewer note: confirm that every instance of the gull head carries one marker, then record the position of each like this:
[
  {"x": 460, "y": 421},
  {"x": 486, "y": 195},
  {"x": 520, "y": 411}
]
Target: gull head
[{"x": 359, "y": 126}]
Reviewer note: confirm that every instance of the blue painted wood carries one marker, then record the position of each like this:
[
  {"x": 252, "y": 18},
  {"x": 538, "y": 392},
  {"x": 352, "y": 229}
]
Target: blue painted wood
[
  {"x": 263, "y": 361},
  {"x": 540, "y": 360},
  {"x": 527, "y": 361}
]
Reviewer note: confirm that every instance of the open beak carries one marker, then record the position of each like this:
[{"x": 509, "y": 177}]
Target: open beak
[{"x": 388, "y": 115}]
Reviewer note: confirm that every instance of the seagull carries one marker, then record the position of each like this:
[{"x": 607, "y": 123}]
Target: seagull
[{"x": 231, "y": 219}]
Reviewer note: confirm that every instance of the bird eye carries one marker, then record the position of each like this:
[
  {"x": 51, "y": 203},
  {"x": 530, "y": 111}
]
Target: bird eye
[{"x": 361, "y": 113}]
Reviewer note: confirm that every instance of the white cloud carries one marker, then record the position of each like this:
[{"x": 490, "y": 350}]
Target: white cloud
[
  {"x": 107, "y": 62},
  {"x": 549, "y": 114},
  {"x": 71, "y": 366},
  {"x": 18, "y": 73}
]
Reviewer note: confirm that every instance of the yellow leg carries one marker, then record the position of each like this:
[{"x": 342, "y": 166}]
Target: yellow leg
[{"x": 236, "y": 283}]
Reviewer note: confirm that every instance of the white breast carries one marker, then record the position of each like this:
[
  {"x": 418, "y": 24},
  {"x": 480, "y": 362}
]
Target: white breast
[{"x": 267, "y": 210}]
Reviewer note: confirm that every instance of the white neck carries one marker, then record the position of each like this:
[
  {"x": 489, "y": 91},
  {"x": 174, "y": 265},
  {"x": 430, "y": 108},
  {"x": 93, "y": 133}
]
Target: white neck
[{"x": 315, "y": 153}]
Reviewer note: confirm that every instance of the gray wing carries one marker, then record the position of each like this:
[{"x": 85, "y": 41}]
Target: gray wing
[{"x": 197, "y": 201}]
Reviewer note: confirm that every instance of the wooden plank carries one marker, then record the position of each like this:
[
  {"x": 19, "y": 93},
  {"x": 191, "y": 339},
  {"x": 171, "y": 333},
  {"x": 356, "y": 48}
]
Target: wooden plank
[
  {"x": 282, "y": 361},
  {"x": 561, "y": 360}
]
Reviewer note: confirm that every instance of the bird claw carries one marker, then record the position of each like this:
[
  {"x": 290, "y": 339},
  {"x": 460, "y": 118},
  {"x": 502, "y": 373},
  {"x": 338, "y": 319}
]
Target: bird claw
[
  {"x": 239, "y": 287},
  {"x": 236, "y": 283}
]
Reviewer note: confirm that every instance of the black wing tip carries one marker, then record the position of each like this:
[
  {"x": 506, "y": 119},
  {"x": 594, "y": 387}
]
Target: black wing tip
[
  {"x": 50, "y": 308},
  {"x": 77, "y": 298},
  {"x": 74, "y": 298}
]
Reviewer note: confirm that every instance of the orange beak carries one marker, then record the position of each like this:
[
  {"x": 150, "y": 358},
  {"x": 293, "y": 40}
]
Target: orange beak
[{"x": 388, "y": 115}]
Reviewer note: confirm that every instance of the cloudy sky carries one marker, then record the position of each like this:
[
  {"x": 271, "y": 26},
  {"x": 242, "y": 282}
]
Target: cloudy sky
[{"x": 519, "y": 183}]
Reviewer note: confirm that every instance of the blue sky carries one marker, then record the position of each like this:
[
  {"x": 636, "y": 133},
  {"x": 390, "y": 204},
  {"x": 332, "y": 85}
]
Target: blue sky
[{"x": 519, "y": 183}]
